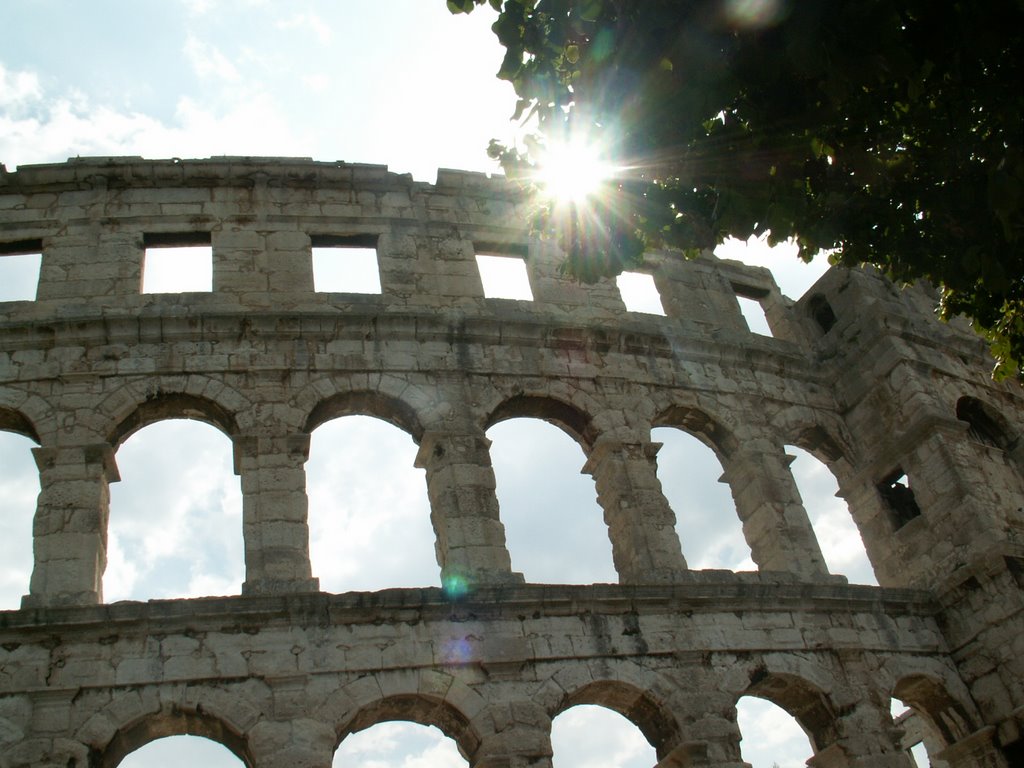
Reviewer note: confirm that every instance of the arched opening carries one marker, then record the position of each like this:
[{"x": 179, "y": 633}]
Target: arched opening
[
  {"x": 628, "y": 710},
  {"x": 589, "y": 735},
  {"x": 707, "y": 523},
  {"x": 913, "y": 732},
  {"x": 172, "y": 751},
  {"x": 407, "y": 730},
  {"x": 554, "y": 527},
  {"x": 769, "y": 735},
  {"x": 174, "y": 737},
  {"x": 399, "y": 743},
  {"x": 930, "y": 718},
  {"x": 369, "y": 515},
  {"x": 838, "y": 536},
  {"x": 19, "y": 489},
  {"x": 176, "y": 516}
]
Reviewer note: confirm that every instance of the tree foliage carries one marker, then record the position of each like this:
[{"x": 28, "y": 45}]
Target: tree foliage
[{"x": 889, "y": 133}]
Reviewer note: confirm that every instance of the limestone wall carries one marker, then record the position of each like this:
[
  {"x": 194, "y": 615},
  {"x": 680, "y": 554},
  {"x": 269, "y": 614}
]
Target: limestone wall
[{"x": 859, "y": 373}]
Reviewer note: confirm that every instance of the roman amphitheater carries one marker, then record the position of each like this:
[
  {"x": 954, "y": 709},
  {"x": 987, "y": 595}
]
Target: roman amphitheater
[{"x": 925, "y": 446}]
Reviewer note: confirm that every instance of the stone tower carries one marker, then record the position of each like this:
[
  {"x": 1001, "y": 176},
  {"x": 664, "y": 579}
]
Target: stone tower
[{"x": 925, "y": 447}]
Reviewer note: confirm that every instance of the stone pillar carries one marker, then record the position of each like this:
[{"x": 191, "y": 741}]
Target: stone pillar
[
  {"x": 866, "y": 736},
  {"x": 70, "y": 526},
  {"x": 700, "y": 754},
  {"x": 975, "y": 751},
  {"x": 275, "y": 524},
  {"x": 775, "y": 523},
  {"x": 641, "y": 524},
  {"x": 522, "y": 738},
  {"x": 470, "y": 543}
]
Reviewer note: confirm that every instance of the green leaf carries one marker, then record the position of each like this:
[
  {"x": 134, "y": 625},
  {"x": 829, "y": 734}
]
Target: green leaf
[{"x": 460, "y": 6}]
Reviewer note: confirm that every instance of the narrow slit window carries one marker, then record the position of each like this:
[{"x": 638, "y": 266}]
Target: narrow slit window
[
  {"x": 754, "y": 314},
  {"x": 345, "y": 264},
  {"x": 504, "y": 277},
  {"x": 639, "y": 293},
  {"x": 19, "y": 270},
  {"x": 899, "y": 498},
  {"x": 177, "y": 263}
]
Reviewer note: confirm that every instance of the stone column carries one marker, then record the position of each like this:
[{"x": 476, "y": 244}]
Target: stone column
[
  {"x": 522, "y": 738},
  {"x": 470, "y": 543},
  {"x": 975, "y": 751},
  {"x": 641, "y": 524},
  {"x": 70, "y": 526},
  {"x": 865, "y": 734},
  {"x": 700, "y": 754},
  {"x": 275, "y": 524},
  {"x": 775, "y": 523}
]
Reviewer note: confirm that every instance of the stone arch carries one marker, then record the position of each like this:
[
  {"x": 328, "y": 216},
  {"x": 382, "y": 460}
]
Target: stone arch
[
  {"x": 801, "y": 686},
  {"x": 420, "y": 708},
  {"x": 15, "y": 421},
  {"x": 430, "y": 693},
  {"x": 932, "y": 688},
  {"x": 141, "y": 403},
  {"x": 806, "y": 702},
  {"x": 821, "y": 435},
  {"x": 702, "y": 423},
  {"x": 28, "y": 415},
  {"x": 172, "y": 720},
  {"x": 393, "y": 410},
  {"x": 174, "y": 406},
  {"x": 640, "y": 695},
  {"x": 928, "y": 696},
  {"x": 571, "y": 419},
  {"x": 638, "y": 706}
]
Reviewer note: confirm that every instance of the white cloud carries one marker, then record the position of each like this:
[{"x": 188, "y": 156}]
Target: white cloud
[
  {"x": 19, "y": 487},
  {"x": 770, "y": 735},
  {"x": 175, "y": 517},
  {"x": 207, "y": 61},
  {"x": 554, "y": 526},
  {"x": 594, "y": 737},
  {"x": 18, "y": 88},
  {"x": 317, "y": 82},
  {"x": 197, "y": 7},
  {"x": 365, "y": 533},
  {"x": 312, "y": 24},
  {"x": 837, "y": 534},
  {"x": 67, "y": 125},
  {"x": 399, "y": 745}
]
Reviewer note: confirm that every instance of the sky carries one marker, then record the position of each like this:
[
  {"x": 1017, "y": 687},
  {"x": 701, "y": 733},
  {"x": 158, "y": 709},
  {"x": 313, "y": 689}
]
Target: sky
[{"x": 396, "y": 82}]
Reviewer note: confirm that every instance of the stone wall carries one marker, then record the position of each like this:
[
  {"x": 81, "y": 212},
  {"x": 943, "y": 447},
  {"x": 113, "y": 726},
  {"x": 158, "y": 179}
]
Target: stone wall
[{"x": 924, "y": 445}]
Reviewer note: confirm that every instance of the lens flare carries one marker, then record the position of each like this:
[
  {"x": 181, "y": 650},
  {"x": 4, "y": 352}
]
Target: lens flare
[
  {"x": 456, "y": 650},
  {"x": 455, "y": 586},
  {"x": 571, "y": 171},
  {"x": 754, "y": 14}
]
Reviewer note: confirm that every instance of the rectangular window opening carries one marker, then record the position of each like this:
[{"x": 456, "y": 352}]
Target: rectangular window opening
[
  {"x": 639, "y": 293},
  {"x": 177, "y": 262},
  {"x": 753, "y": 313},
  {"x": 345, "y": 264},
  {"x": 504, "y": 277},
  {"x": 899, "y": 498},
  {"x": 19, "y": 270}
]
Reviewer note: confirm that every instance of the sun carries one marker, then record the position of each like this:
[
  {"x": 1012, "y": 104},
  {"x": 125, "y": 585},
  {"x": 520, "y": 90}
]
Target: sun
[{"x": 572, "y": 171}]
